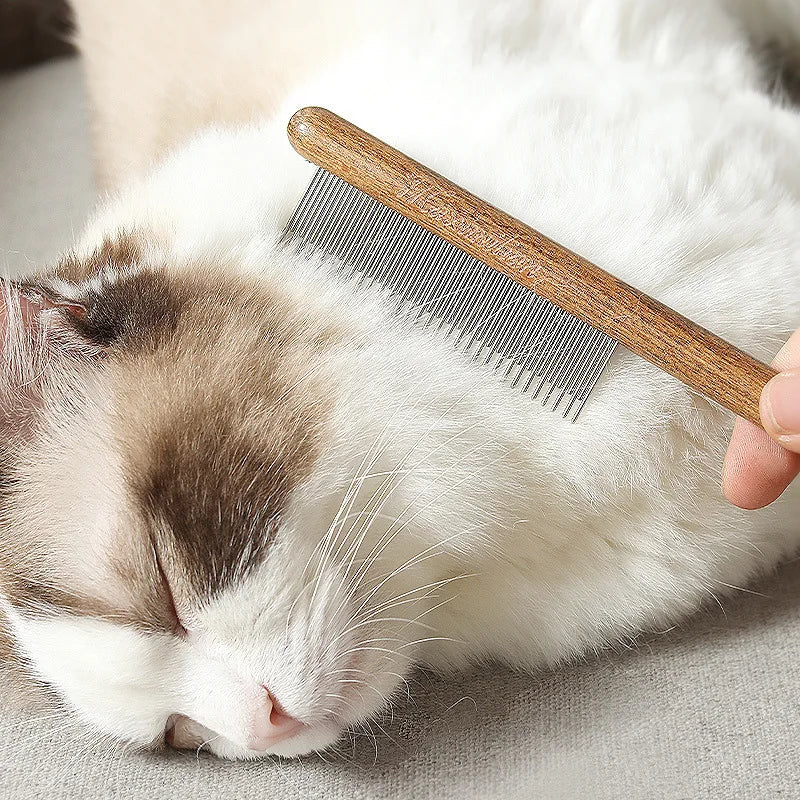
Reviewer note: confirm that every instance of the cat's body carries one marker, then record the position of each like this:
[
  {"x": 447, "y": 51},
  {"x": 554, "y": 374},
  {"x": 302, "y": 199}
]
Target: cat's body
[{"x": 333, "y": 495}]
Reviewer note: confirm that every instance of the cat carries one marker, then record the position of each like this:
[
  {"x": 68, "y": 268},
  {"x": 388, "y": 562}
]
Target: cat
[{"x": 242, "y": 500}]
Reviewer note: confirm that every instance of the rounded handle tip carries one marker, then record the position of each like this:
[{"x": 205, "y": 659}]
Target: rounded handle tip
[{"x": 304, "y": 123}]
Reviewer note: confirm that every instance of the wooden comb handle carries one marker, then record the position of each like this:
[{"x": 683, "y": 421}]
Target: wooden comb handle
[{"x": 669, "y": 340}]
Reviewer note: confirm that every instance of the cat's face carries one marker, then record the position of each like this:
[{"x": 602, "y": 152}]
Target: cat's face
[{"x": 188, "y": 548}]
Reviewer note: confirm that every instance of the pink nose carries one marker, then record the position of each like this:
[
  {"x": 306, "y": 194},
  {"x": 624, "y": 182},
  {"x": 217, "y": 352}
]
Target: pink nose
[
  {"x": 268, "y": 725},
  {"x": 271, "y": 724}
]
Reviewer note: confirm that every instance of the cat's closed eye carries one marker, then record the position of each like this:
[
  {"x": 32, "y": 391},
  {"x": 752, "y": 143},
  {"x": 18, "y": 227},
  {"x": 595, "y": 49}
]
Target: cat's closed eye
[{"x": 179, "y": 627}]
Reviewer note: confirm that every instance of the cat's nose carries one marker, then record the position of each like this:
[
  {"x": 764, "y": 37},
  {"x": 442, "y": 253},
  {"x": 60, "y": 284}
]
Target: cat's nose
[
  {"x": 268, "y": 725},
  {"x": 271, "y": 724}
]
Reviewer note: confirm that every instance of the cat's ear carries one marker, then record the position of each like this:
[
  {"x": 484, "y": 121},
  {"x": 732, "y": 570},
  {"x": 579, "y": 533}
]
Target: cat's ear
[
  {"x": 43, "y": 343},
  {"x": 38, "y": 321}
]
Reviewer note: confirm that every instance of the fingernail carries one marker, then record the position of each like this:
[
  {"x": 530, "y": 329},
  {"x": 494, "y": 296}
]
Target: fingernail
[{"x": 781, "y": 402}]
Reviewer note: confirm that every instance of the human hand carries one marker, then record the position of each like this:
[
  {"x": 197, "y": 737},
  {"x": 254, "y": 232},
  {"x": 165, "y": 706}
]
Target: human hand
[{"x": 760, "y": 464}]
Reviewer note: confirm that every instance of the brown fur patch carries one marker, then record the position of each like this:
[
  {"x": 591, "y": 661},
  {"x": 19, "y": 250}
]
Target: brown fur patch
[
  {"x": 123, "y": 250},
  {"x": 229, "y": 436},
  {"x": 216, "y": 419}
]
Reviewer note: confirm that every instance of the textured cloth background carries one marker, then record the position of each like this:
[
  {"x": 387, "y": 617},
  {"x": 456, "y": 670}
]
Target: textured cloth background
[{"x": 707, "y": 710}]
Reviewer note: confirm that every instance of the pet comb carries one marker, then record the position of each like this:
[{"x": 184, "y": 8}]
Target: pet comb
[{"x": 449, "y": 256}]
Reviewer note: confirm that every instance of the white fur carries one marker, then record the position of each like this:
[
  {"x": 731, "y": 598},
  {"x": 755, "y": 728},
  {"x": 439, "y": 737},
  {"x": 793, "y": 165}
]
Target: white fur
[{"x": 637, "y": 135}]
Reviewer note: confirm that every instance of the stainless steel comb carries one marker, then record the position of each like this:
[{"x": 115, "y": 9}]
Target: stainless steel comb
[
  {"x": 534, "y": 344},
  {"x": 501, "y": 292}
]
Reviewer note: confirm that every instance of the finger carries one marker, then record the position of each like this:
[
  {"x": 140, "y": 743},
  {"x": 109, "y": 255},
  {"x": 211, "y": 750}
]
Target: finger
[
  {"x": 780, "y": 409},
  {"x": 757, "y": 468}
]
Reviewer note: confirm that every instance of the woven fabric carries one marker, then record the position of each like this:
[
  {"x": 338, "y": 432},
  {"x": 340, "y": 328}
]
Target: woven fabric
[{"x": 707, "y": 710}]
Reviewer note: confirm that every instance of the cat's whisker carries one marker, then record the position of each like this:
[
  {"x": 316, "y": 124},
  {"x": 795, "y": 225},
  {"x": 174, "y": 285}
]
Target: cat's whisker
[
  {"x": 387, "y": 483},
  {"x": 356, "y": 543},
  {"x": 427, "y": 588},
  {"x": 421, "y": 510},
  {"x": 432, "y": 639},
  {"x": 203, "y": 744},
  {"x": 443, "y": 444},
  {"x": 374, "y": 618},
  {"x": 425, "y": 554},
  {"x": 345, "y": 506}
]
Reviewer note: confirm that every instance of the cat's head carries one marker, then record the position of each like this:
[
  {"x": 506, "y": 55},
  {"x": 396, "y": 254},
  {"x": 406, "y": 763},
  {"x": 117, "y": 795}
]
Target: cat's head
[{"x": 194, "y": 544}]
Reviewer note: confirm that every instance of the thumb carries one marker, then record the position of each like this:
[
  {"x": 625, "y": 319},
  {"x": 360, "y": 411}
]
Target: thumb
[
  {"x": 780, "y": 398},
  {"x": 757, "y": 466},
  {"x": 780, "y": 409}
]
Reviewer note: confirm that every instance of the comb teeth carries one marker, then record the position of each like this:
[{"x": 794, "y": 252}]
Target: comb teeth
[{"x": 534, "y": 344}]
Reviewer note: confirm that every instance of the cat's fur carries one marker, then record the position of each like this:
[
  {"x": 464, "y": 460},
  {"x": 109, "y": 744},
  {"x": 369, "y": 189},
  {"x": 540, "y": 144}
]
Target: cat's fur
[{"x": 333, "y": 496}]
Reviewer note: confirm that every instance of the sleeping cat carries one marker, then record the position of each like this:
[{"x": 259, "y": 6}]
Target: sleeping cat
[{"x": 242, "y": 500}]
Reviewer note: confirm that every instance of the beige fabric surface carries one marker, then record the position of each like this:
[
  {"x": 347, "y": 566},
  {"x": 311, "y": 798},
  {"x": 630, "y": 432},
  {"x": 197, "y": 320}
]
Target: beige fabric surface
[
  {"x": 45, "y": 176},
  {"x": 707, "y": 710}
]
